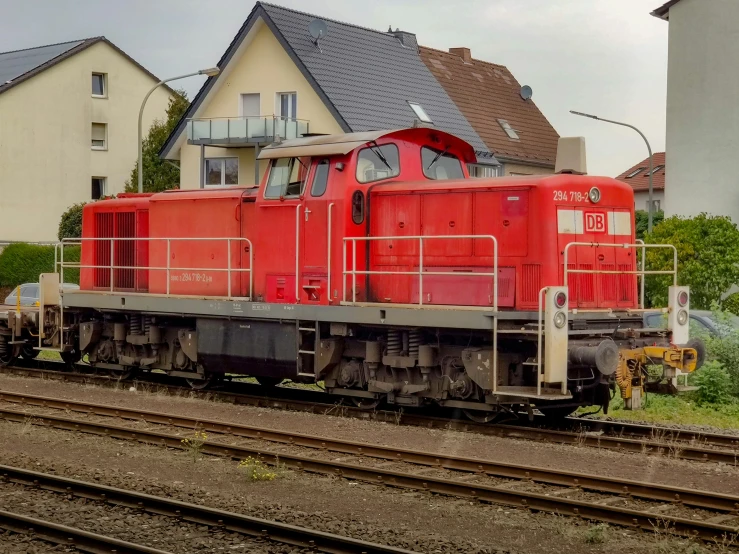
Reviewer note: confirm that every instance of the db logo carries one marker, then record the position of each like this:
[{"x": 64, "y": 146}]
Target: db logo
[{"x": 595, "y": 223}]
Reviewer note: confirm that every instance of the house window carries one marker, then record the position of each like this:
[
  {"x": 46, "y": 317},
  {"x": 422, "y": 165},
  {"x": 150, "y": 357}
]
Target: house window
[
  {"x": 420, "y": 112},
  {"x": 655, "y": 205},
  {"x": 98, "y": 188},
  {"x": 98, "y": 84},
  {"x": 484, "y": 171},
  {"x": 655, "y": 170},
  {"x": 221, "y": 172},
  {"x": 99, "y": 135},
  {"x": 440, "y": 165},
  {"x": 287, "y": 104},
  {"x": 512, "y": 134},
  {"x": 250, "y": 105},
  {"x": 287, "y": 177},
  {"x": 635, "y": 173},
  {"x": 378, "y": 162}
]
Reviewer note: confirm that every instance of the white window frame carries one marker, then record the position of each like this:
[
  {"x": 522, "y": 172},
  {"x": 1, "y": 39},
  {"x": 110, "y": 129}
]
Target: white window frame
[
  {"x": 656, "y": 205},
  {"x": 241, "y": 103},
  {"x": 223, "y": 171},
  {"x": 421, "y": 114},
  {"x": 278, "y": 104},
  {"x": 488, "y": 171},
  {"x": 105, "y": 140},
  {"x": 105, "y": 85},
  {"x": 103, "y": 187}
]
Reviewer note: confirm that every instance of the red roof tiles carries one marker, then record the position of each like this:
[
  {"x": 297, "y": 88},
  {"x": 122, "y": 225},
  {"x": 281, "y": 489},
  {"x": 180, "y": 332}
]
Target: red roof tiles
[
  {"x": 486, "y": 93},
  {"x": 640, "y": 179}
]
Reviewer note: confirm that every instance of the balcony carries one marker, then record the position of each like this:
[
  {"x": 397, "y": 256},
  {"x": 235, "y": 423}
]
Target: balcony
[{"x": 244, "y": 131}]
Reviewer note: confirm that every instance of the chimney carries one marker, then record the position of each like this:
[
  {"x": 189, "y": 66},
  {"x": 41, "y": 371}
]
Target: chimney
[
  {"x": 406, "y": 39},
  {"x": 463, "y": 53}
]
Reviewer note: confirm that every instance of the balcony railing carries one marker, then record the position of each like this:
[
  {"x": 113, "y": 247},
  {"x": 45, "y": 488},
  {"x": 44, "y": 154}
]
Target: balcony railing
[{"x": 244, "y": 131}]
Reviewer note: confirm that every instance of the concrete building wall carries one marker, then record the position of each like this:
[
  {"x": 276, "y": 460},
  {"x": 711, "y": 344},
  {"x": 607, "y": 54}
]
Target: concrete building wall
[
  {"x": 641, "y": 199},
  {"x": 46, "y": 158},
  {"x": 523, "y": 169},
  {"x": 263, "y": 67},
  {"x": 702, "y": 114}
]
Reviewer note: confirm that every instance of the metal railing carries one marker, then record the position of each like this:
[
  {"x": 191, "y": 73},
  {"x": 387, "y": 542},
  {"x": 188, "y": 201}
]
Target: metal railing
[
  {"x": 640, "y": 273},
  {"x": 60, "y": 264},
  {"x": 254, "y": 129},
  {"x": 420, "y": 271}
]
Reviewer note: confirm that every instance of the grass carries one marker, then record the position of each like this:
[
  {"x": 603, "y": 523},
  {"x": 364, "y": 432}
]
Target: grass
[{"x": 682, "y": 409}]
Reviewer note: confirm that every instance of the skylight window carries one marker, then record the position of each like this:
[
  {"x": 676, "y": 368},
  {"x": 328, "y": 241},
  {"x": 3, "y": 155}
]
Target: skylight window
[
  {"x": 635, "y": 172},
  {"x": 420, "y": 112},
  {"x": 655, "y": 170},
  {"x": 508, "y": 129}
]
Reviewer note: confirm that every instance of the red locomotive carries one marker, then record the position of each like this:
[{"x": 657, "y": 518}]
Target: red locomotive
[{"x": 372, "y": 262}]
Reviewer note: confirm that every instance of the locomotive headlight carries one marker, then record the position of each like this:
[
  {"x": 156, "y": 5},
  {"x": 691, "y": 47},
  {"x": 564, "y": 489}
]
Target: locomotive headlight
[
  {"x": 594, "y": 195},
  {"x": 560, "y": 319},
  {"x": 682, "y": 317}
]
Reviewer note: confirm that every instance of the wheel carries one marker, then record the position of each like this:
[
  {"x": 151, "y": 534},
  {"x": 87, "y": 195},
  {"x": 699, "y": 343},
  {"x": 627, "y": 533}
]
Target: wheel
[
  {"x": 28, "y": 352},
  {"x": 200, "y": 384},
  {"x": 365, "y": 403},
  {"x": 71, "y": 357},
  {"x": 8, "y": 352},
  {"x": 269, "y": 381},
  {"x": 123, "y": 373},
  {"x": 479, "y": 416}
]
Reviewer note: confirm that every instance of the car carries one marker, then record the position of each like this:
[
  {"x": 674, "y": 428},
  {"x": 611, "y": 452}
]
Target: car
[
  {"x": 702, "y": 322},
  {"x": 29, "y": 293}
]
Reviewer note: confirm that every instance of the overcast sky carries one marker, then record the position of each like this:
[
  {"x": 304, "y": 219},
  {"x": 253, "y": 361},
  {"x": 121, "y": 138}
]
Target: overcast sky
[{"x": 607, "y": 57}]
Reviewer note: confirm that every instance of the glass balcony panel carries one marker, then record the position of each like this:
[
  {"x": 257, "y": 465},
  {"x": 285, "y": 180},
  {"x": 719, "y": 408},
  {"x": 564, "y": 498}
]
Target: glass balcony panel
[
  {"x": 302, "y": 127},
  {"x": 291, "y": 130},
  {"x": 244, "y": 130},
  {"x": 201, "y": 129},
  {"x": 218, "y": 129},
  {"x": 237, "y": 128},
  {"x": 279, "y": 127}
]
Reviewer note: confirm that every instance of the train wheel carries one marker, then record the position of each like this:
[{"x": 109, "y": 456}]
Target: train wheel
[
  {"x": 28, "y": 352},
  {"x": 479, "y": 416},
  {"x": 269, "y": 381},
  {"x": 71, "y": 357},
  {"x": 365, "y": 403},
  {"x": 123, "y": 373},
  {"x": 8, "y": 353},
  {"x": 200, "y": 384},
  {"x": 558, "y": 413}
]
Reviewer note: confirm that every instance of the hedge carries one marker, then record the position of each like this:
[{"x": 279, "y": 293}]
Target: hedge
[{"x": 22, "y": 263}]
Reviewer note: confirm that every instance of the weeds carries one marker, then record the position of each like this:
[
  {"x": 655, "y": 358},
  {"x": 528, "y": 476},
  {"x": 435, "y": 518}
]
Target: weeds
[
  {"x": 28, "y": 423},
  {"x": 340, "y": 409},
  {"x": 727, "y": 542},
  {"x": 663, "y": 534},
  {"x": 195, "y": 444},
  {"x": 597, "y": 534},
  {"x": 256, "y": 470}
]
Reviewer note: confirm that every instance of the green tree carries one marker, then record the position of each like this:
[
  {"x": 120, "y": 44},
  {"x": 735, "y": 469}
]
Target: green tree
[
  {"x": 642, "y": 221},
  {"x": 70, "y": 226},
  {"x": 159, "y": 174},
  {"x": 708, "y": 258}
]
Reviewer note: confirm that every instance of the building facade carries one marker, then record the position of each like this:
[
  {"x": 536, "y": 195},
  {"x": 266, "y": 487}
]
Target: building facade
[
  {"x": 638, "y": 178},
  {"x": 69, "y": 134},
  {"x": 277, "y": 81},
  {"x": 702, "y": 115}
]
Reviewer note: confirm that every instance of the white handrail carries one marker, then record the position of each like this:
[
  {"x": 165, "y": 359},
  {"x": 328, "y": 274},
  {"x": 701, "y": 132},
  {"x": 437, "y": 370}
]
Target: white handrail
[
  {"x": 420, "y": 272},
  {"x": 168, "y": 268},
  {"x": 642, "y": 273}
]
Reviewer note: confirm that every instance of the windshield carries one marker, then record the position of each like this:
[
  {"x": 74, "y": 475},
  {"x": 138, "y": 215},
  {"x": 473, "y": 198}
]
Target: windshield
[
  {"x": 378, "y": 162},
  {"x": 287, "y": 177},
  {"x": 438, "y": 164}
]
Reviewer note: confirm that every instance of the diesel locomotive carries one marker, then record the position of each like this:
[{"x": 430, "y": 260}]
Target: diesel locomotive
[{"x": 373, "y": 263}]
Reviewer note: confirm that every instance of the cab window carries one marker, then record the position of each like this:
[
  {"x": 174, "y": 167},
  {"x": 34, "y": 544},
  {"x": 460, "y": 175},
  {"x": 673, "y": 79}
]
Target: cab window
[
  {"x": 320, "y": 178},
  {"x": 438, "y": 164},
  {"x": 287, "y": 177},
  {"x": 378, "y": 162}
]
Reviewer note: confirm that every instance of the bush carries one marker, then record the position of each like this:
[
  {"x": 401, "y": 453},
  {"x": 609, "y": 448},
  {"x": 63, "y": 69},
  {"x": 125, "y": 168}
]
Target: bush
[
  {"x": 70, "y": 226},
  {"x": 642, "y": 221},
  {"x": 708, "y": 258},
  {"x": 715, "y": 384},
  {"x": 731, "y": 303},
  {"x": 23, "y": 263}
]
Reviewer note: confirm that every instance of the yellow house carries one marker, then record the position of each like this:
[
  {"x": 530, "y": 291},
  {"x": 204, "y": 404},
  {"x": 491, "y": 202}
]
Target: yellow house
[
  {"x": 68, "y": 130},
  {"x": 288, "y": 74}
]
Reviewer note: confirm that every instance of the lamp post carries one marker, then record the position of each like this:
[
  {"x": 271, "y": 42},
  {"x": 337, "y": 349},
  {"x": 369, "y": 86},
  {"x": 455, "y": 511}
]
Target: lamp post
[
  {"x": 649, "y": 148},
  {"x": 211, "y": 72}
]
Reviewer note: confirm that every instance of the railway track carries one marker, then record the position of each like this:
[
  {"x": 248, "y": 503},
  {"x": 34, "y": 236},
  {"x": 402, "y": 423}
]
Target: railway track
[
  {"x": 65, "y": 535},
  {"x": 704, "y": 514},
  {"x": 676, "y": 443},
  {"x": 223, "y": 521}
]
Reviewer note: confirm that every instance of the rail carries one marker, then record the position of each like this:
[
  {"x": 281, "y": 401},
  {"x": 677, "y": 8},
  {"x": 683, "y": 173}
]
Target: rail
[
  {"x": 640, "y": 273},
  {"x": 420, "y": 272},
  {"x": 60, "y": 264}
]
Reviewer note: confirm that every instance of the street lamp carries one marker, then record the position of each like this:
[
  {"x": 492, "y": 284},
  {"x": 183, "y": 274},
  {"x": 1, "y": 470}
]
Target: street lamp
[
  {"x": 210, "y": 72},
  {"x": 649, "y": 148}
]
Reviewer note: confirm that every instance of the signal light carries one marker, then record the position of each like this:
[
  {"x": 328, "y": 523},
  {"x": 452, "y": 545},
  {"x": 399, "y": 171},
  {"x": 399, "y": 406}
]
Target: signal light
[
  {"x": 560, "y": 299},
  {"x": 682, "y": 317},
  {"x": 560, "y": 319},
  {"x": 594, "y": 195},
  {"x": 682, "y": 298}
]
